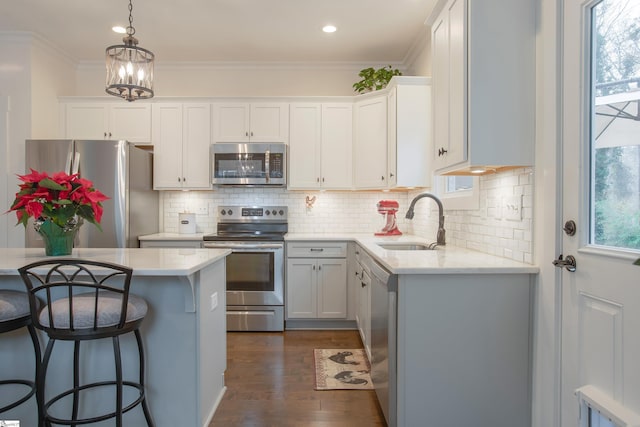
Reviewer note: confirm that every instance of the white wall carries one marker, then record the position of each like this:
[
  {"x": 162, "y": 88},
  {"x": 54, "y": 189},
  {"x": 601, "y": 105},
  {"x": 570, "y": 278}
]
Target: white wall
[
  {"x": 235, "y": 79},
  {"x": 15, "y": 69},
  {"x": 52, "y": 75},
  {"x": 32, "y": 75}
]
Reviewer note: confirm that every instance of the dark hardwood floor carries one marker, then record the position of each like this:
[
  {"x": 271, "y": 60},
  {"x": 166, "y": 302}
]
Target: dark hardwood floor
[{"x": 270, "y": 382}]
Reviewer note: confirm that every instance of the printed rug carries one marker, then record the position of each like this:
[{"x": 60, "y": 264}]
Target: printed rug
[{"x": 342, "y": 369}]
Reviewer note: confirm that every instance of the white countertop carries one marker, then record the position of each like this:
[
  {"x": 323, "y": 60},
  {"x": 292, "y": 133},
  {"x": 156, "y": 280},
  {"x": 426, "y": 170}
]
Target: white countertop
[
  {"x": 145, "y": 262},
  {"x": 443, "y": 260}
]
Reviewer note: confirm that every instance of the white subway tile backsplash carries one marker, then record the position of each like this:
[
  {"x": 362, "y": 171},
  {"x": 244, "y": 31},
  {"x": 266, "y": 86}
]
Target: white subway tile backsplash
[{"x": 483, "y": 229}]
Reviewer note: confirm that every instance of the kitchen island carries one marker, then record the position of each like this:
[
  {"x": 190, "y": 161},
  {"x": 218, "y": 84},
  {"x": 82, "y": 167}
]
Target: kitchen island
[{"x": 184, "y": 335}]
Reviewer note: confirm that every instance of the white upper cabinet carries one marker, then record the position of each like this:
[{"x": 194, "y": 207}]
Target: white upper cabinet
[
  {"x": 251, "y": 122},
  {"x": 320, "y": 142},
  {"x": 108, "y": 121},
  {"x": 409, "y": 143},
  {"x": 483, "y": 62},
  {"x": 181, "y": 139},
  {"x": 370, "y": 149}
]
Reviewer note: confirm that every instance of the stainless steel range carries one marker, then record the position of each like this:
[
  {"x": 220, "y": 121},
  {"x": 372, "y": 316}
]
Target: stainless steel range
[{"x": 255, "y": 268}]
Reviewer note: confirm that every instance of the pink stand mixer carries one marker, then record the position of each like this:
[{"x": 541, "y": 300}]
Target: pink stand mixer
[{"x": 388, "y": 208}]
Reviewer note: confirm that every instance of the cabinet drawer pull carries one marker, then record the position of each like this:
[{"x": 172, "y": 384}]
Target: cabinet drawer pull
[{"x": 316, "y": 249}]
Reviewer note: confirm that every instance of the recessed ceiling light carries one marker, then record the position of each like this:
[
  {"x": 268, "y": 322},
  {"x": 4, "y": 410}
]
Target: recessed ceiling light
[
  {"x": 329, "y": 29},
  {"x": 119, "y": 30}
]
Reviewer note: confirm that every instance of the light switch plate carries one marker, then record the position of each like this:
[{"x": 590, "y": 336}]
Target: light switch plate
[
  {"x": 202, "y": 209},
  {"x": 512, "y": 208}
]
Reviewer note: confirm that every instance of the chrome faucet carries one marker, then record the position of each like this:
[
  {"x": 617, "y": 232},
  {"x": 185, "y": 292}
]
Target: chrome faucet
[{"x": 441, "y": 232}]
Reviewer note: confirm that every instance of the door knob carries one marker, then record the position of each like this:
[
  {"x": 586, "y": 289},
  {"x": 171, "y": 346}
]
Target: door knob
[
  {"x": 569, "y": 263},
  {"x": 570, "y": 227}
]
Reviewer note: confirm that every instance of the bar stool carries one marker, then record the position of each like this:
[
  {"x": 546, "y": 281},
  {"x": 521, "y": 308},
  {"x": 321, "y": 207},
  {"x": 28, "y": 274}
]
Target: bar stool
[
  {"x": 15, "y": 314},
  {"x": 86, "y": 300}
]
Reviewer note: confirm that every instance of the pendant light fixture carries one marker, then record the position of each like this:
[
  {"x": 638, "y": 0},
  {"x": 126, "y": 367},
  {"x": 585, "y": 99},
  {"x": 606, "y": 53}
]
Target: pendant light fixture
[{"x": 129, "y": 67}]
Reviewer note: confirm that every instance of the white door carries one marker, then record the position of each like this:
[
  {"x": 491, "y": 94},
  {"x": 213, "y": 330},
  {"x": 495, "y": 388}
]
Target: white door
[{"x": 601, "y": 298}]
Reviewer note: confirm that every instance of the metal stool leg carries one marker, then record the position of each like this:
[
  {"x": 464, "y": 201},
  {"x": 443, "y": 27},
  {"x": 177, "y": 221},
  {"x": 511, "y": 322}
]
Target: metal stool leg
[
  {"x": 38, "y": 366},
  {"x": 118, "y": 360},
  {"x": 145, "y": 407},
  {"x": 76, "y": 381},
  {"x": 41, "y": 383}
]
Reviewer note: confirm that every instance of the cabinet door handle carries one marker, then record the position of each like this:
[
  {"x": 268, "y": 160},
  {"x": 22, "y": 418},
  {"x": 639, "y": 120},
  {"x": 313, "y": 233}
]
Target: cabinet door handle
[
  {"x": 317, "y": 179},
  {"x": 246, "y": 134},
  {"x": 441, "y": 152},
  {"x": 252, "y": 133},
  {"x": 319, "y": 267},
  {"x": 313, "y": 268},
  {"x": 382, "y": 177},
  {"x": 363, "y": 284},
  {"x": 178, "y": 179},
  {"x": 105, "y": 134},
  {"x": 109, "y": 134},
  {"x": 391, "y": 175}
]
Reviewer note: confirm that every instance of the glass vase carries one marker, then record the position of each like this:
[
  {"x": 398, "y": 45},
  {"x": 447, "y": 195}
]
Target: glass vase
[{"x": 57, "y": 240}]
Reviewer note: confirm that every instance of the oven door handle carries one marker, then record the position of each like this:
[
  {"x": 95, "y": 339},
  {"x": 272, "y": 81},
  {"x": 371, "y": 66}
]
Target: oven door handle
[{"x": 213, "y": 245}]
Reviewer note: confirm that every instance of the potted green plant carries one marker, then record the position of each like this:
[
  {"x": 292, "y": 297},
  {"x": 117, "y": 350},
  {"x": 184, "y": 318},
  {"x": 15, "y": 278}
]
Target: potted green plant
[{"x": 373, "y": 79}]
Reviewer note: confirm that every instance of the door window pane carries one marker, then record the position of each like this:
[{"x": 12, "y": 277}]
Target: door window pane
[{"x": 615, "y": 124}]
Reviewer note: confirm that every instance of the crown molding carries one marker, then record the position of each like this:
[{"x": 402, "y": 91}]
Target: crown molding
[
  {"x": 246, "y": 65},
  {"x": 35, "y": 39}
]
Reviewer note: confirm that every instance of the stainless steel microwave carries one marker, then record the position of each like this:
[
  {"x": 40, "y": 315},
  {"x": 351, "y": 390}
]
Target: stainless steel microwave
[{"x": 255, "y": 164}]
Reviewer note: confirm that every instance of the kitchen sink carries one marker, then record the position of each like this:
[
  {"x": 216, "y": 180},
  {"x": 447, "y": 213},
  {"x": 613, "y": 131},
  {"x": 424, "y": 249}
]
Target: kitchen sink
[{"x": 407, "y": 246}]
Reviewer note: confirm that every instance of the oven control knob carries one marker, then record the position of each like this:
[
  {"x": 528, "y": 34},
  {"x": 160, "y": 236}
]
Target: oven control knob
[
  {"x": 267, "y": 212},
  {"x": 281, "y": 212},
  {"x": 274, "y": 212},
  {"x": 223, "y": 212},
  {"x": 230, "y": 212}
]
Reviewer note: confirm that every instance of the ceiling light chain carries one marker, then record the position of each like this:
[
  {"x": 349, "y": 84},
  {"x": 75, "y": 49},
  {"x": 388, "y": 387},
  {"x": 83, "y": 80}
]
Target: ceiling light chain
[
  {"x": 129, "y": 67},
  {"x": 130, "y": 29}
]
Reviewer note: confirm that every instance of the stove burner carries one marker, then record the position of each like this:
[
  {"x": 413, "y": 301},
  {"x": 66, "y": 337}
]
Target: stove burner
[{"x": 250, "y": 223}]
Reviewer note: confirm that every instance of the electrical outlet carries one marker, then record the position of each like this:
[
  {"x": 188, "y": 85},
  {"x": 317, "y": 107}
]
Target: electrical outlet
[
  {"x": 512, "y": 208},
  {"x": 202, "y": 209},
  {"x": 214, "y": 301}
]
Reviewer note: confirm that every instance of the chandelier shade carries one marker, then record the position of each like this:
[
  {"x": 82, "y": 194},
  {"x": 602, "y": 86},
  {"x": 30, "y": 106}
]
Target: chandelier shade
[{"x": 129, "y": 68}]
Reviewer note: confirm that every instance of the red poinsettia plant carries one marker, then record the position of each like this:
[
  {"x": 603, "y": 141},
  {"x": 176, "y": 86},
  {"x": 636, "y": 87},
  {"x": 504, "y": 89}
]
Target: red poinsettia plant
[{"x": 62, "y": 198}]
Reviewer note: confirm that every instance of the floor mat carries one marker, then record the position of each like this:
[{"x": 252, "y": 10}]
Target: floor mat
[{"x": 342, "y": 369}]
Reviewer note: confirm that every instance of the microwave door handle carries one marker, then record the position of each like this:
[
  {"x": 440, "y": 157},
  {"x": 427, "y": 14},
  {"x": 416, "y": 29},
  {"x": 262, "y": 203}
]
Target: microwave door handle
[{"x": 266, "y": 164}]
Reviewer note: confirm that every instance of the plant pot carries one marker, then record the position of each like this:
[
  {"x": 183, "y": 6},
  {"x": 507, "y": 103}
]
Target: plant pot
[{"x": 57, "y": 240}]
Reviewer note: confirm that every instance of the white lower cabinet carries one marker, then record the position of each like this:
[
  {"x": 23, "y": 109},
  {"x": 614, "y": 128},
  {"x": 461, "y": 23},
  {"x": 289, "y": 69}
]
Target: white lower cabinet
[{"x": 316, "y": 280}]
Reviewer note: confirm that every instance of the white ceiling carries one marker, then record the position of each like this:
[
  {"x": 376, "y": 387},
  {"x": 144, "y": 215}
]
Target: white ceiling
[{"x": 369, "y": 31}]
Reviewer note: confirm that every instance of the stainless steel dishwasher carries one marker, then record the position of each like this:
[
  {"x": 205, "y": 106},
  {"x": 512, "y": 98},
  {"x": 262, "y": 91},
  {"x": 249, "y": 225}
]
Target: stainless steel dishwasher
[{"x": 383, "y": 339}]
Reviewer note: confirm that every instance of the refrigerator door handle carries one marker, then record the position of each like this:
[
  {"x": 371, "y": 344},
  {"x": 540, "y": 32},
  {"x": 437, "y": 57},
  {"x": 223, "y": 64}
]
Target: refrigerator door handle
[
  {"x": 67, "y": 166},
  {"x": 76, "y": 163}
]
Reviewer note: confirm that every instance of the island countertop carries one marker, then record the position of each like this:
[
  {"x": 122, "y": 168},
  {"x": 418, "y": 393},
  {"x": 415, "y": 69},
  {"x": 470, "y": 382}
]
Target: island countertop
[{"x": 144, "y": 262}]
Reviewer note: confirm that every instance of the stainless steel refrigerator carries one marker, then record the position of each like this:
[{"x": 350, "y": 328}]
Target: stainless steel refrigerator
[{"x": 120, "y": 170}]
